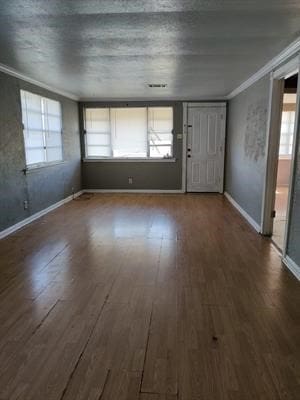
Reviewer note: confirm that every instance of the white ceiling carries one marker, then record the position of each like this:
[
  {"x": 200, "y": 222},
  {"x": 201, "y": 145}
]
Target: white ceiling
[{"x": 111, "y": 49}]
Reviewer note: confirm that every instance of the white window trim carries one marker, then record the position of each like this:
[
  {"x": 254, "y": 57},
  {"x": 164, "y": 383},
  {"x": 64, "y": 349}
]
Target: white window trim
[
  {"x": 128, "y": 159},
  {"x": 135, "y": 160}
]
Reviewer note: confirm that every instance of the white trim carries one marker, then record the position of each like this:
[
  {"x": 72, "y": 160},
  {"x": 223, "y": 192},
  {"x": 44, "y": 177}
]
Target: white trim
[
  {"x": 149, "y": 99},
  {"x": 37, "y": 215},
  {"x": 184, "y": 145},
  {"x": 251, "y": 221},
  {"x": 207, "y": 104},
  {"x": 165, "y": 191},
  {"x": 284, "y": 55},
  {"x": 136, "y": 160},
  {"x": 11, "y": 71},
  {"x": 292, "y": 266}
]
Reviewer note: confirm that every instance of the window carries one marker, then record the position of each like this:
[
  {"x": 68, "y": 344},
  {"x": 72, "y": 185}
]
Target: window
[
  {"x": 132, "y": 132},
  {"x": 42, "y": 129},
  {"x": 287, "y": 133}
]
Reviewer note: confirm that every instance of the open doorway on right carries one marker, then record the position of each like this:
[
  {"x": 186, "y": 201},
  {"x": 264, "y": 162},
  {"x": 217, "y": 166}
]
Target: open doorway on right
[{"x": 284, "y": 169}]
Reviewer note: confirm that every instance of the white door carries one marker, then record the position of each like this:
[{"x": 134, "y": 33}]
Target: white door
[{"x": 205, "y": 148}]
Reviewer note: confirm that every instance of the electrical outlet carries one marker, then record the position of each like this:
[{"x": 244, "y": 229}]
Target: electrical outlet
[
  {"x": 130, "y": 180},
  {"x": 25, "y": 204}
]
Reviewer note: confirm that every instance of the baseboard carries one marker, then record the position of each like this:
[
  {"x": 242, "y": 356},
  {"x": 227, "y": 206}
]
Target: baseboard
[
  {"x": 132, "y": 191},
  {"x": 251, "y": 221},
  {"x": 292, "y": 266},
  {"x": 37, "y": 215}
]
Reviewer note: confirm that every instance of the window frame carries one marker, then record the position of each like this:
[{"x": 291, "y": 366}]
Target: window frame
[
  {"x": 45, "y": 130},
  {"x": 127, "y": 159}
]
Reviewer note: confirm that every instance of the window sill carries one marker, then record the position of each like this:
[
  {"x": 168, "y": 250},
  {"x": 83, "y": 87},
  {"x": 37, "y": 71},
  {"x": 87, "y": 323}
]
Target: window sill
[
  {"x": 34, "y": 167},
  {"x": 135, "y": 160}
]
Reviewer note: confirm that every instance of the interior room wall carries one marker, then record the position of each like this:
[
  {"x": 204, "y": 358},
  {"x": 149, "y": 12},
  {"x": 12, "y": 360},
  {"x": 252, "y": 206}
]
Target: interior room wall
[
  {"x": 246, "y": 147},
  {"x": 146, "y": 175},
  {"x": 41, "y": 187}
]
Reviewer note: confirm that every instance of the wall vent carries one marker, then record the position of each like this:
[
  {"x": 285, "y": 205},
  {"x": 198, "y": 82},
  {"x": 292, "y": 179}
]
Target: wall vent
[{"x": 157, "y": 85}]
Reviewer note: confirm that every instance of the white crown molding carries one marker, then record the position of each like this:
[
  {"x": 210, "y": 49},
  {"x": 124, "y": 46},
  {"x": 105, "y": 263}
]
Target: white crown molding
[
  {"x": 10, "y": 71},
  {"x": 283, "y": 56},
  {"x": 251, "y": 221},
  {"x": 154, "y": 99}
]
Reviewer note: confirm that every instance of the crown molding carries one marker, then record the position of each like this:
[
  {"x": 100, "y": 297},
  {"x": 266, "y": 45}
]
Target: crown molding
[
  {"x": 19, "y": 75},
  {"x": 290, "y": 51}
]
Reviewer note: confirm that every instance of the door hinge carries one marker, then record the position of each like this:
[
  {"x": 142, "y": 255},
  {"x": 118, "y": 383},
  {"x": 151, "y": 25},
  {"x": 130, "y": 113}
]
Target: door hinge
[{"x": 273, "y": 214}]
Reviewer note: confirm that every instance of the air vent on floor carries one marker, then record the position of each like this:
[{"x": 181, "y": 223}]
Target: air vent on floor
[{"x": 157, "y": 85}]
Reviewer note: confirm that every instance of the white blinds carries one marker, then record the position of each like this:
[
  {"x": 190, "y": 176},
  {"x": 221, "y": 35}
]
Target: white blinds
[
  {"x": 97, "y": 126},
  {"x": 131, "y": 132},
  {"x": 42, "y": 128}
]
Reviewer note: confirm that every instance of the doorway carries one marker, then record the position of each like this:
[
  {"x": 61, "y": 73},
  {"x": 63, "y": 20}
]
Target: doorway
[
  {"x": 284, "y": 162},
  {"x": 205, "y": 147},
  {"x": 283, "y": 117}
]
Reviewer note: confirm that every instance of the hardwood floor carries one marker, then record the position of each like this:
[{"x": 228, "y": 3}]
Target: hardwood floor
[{"x": 146, "y": 297}]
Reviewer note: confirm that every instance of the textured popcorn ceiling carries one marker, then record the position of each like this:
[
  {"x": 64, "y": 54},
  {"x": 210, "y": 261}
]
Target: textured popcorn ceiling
[{"x": 114, "y": 48}]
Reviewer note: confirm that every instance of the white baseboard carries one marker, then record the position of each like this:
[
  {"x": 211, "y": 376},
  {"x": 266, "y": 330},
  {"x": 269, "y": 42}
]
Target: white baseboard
[
  {"x": 37, "y": 215},
  {"x": 292, "y": 266},
  {"x": 251, "y": 221},
  {"x": 132, "y": 191}
]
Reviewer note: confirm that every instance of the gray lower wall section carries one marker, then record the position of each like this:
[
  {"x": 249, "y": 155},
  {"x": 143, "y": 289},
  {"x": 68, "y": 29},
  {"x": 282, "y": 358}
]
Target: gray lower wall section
[
  {"x": 41, "y": 187},
  {"x": 246, "y": 147},
  {"x": 146, "y": 175},
  {"x": 293, "y": 245}
]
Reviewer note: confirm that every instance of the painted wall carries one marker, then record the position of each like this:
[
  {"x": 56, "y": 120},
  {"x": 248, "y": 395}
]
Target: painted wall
[
  {"x": 293, "y": 245},
  {"x": 146, "y": 175},
  {"x": 246, "y": 147},
  {"x": 41, "y": 187}
]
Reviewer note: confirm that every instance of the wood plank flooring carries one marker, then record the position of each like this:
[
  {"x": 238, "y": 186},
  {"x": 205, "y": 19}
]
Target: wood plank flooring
[{"x": 146, "y": 297}]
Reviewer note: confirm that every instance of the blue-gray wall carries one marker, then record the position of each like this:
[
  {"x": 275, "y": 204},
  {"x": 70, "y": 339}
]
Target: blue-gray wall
[
  {"x": 146, "y": 175},
  {"x": 40, "y": 187},
  {"x": 246, "y": 147},
  {"x": 293, "y": 245},
  {"x": 246, "y": 159}
]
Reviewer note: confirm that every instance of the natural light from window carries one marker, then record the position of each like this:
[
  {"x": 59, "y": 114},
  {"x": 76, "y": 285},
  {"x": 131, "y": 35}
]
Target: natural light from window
[{"x": 131, "y": 132}]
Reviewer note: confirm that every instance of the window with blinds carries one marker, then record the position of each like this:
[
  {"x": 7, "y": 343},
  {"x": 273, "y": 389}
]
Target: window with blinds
[
  {"x": 131, "y": 132},
  {"x": 42, "y": 128}
]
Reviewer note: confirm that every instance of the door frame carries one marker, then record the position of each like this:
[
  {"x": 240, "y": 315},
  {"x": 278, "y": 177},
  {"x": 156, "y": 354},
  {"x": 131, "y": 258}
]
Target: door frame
[
  {"x": 186, "y": 106},
  {"x": 273, "y": 138}
]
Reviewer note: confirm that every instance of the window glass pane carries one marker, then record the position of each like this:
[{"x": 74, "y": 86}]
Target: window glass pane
[
  {"x": 160, "y": 151},
  {"x": 42, "y": 128},
  {"x": 160, "y": 119},
  {"x": 98, "y": 151},
  {"x": 54, "y": 154},
  {"x": 97, "y": 139},
  {"x": 52, "y": 107},
  {"x": 33, "y": 139},
  {"x": 158, "y": 139},
  {"x": 31, "y": 101},
  {"x": 53, "y": 139},
  {"x": 54, "y": 124},
  {"x": 34, "y": 156},
  {"x": 129, "y": 132},
  {"x": 33, "y": 121}
]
